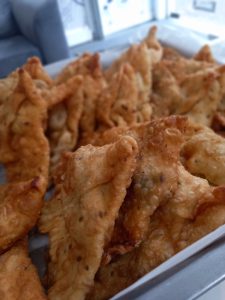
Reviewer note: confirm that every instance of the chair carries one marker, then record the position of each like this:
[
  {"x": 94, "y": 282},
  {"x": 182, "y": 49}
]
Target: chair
[{"x": 28, "y": 28}]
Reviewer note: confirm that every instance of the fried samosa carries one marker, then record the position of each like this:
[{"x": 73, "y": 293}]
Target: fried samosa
[{"x": 79, "y": 219}]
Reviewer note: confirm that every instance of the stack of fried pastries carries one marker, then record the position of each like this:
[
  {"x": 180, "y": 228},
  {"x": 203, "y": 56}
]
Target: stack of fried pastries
[{"x": 135, "y": 154}]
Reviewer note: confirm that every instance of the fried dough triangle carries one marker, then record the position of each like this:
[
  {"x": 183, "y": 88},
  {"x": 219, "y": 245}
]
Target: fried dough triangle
[
  {"x": 170, "y": 54},
  {"x": 154, "y": 47},
  {"x": 20, "y": 206},
  {"x": 80, "y": 217},
  {"x": 92, "y": 89},
  {"x": 63, "y": 123},
  {"x": 204, "y": 155},
  {"x": 44, "y": 83},
  {"x": 138, "y": 57},
  {"x": 7, "y": 86},
  {"x": 118, "y": 103},
  {"x": 181, "y": 66},
  {"x": 202, "y": 91},
  {"x": 205, "y": 54},
  {"x": 58, "y": 93},
  {"x": 36, "y": 71},
  {"x": 18, "y": 277},
  {"x": 197, "y": 94},
  {"x": 166, "y": 95},
  {"x": 154, "y": 181},
  {"x": 195, "y": 210},
  {"x": 89, "y": 66},
  {"x": 24, "y": 149}
]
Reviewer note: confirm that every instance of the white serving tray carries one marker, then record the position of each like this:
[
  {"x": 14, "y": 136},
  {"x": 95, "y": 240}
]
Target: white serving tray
[
  {"x": 106, "y": 59},
  {"x": 38, "y": 244}
]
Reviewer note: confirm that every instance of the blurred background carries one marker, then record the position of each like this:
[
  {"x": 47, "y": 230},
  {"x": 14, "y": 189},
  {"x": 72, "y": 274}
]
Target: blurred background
[
  {"x": 58, "y": 29},
  {"x": 86, "y": 20}
]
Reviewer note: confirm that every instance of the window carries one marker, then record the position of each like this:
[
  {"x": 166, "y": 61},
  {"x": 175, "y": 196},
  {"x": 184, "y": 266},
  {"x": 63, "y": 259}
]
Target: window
[
  {"x": 85, "y": 20},
  {"x": 115, "y": 15},
  {"x": 75, "y": 21},
  {"x": 205, "y": 16}
]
